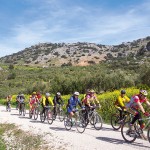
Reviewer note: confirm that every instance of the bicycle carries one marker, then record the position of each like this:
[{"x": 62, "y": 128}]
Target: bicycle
[
  {"x": 22, "y": 109},
  {"x": 36, "y": 111},
  {"x": 131, "y": 135},
  {"x": 59, "y": 112},
  {"x": 93, "y": 117},
  {"x": 47, "y": 114},
  {"x": 32, "y": 110},
  {"x": 77, "y": 121},
  {"x": 115, "y": 120},
  {"x": 8, "y": 106}
]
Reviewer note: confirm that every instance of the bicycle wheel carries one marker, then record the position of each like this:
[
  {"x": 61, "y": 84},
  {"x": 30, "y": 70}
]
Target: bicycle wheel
[
  {"x": 68, "y": 123},
  {"x": 148, "y": 134},
  {"x": 20, "y": 109},
  {"x": 23, "y": 110},
  {"x": 49, "y": 115},
  {"x": 80, "y": 124},
  {"x": 42, "y": 117},
  {"x": 36, "y": 113},
  {"x": 115, "y": 118},
  {"x": 61, "y": 115},
  {"x": 30, "y": 114},
  {"x": 127, "y": 134},
  {"x": 98, "y": 122}
]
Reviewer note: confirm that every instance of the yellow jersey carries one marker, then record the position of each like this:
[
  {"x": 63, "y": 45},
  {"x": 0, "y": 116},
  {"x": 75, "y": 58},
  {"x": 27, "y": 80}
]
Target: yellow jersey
[{"x": 120, "y": 102}]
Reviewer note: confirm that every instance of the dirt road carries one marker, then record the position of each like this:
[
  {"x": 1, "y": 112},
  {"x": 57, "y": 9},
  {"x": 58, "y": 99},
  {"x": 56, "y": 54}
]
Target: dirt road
[{"x": 59, "y": 138}]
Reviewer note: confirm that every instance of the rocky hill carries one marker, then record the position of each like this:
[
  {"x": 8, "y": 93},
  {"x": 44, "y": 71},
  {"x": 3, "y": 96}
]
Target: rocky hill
[{"x": 79, "y": 54}]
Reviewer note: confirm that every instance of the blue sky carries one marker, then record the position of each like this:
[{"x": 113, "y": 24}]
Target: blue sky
[{"x": 28, "y": 22}]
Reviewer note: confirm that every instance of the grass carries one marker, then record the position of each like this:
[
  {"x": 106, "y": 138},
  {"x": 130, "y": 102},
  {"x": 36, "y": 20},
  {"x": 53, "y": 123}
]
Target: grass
[{"x": 11, "y": 137}]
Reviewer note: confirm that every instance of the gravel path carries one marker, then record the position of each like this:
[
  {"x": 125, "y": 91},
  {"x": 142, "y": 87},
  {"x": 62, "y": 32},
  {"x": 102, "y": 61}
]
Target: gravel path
[{"x": 59, "y": 138}]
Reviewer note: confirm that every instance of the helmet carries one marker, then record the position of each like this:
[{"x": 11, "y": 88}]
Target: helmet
[
  {"x": 22, "y": 95},
  {"x": 76, "y": 93},
  {"x": 143, "y": 92},
  {"x": 123, "y": 92},
  {"x": 92, "y": 91},
  {"x": 34, "y": 93},
  {"x": 47, "y": 94},
  {"x": 58, "y": 93}
]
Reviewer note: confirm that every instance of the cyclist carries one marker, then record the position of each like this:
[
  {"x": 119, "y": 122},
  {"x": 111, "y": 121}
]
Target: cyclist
[
  {"x": 90, "y": 102},
  {"x": 120, "y": 103},
  {"x": 57, "y": 101},
  {"x": 135, "y": 106},
  {"x": 39, "y": 96},
  {"x": 21, "y": 100},
  {"x": 46, "y": 101},
  {"x": 8, "y": 102},
  {"x": 17, "y": 101},
  {"x": 33, "y": 100},
  {"x": 72, "y": 104},
  {"x": 86, "y": 94}
]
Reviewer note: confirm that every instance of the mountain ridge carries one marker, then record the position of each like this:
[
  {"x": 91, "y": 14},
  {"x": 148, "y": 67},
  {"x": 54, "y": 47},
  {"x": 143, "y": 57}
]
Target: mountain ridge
[{"x": 78, "y": 54}]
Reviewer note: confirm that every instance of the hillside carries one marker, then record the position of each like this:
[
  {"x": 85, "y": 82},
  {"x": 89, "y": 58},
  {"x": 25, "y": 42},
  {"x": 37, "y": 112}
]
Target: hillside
[{"x": 79, "y": 54}]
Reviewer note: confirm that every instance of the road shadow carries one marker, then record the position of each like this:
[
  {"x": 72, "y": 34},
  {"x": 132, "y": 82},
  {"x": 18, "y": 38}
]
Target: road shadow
[
  {"x": 15, "y": 114},
  {"x": 110, "y": 140},
  {"x": 58, "y": 128},
  {"x": 23, "y": 117},
  {"x": 118, "y": 141},
  {"x": 4, "y": 111},
  {"x": 109, "y": 129},
  {"x": 37, "y": 121}
]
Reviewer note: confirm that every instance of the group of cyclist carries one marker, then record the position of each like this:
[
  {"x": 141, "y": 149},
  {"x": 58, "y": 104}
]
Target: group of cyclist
[
  {"x": 36, "y": 98},
  {"x": 90, "y": 101},
  {"x": 134, "y": 106}
]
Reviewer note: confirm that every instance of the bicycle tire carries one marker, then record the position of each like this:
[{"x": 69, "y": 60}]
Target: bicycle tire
[
  {"x": 61, "y": 115},
  {"x": 23, "y": 110},
  {"x": 42, "y": 117},
  {"x": 36, "y": 113},
  {"x": 20, "y": 110},
  {"x": 68, "y": 123},
  {"x": 80, "y": 124},
  {"x": 115, "y": 118},
  {"x": 30, "y": 114},
  {"x": 128, "y": 136},
  {"x": 49, "y": 116},
  {"x": 98, "y": 122},
  {"x": 148, "y": 134}
]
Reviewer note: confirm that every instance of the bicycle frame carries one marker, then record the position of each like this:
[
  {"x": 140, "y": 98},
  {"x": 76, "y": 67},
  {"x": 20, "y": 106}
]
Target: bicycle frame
[{"x": 147, "y": 124}]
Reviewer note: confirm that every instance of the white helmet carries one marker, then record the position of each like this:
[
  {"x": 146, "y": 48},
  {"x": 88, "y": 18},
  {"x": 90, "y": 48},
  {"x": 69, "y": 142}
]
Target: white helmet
[
  {"x": 76, "y": 93},
  {"x": 143, "y": 92},
  {"x": 47, "y": 94},
  {"x": 58, "y": 93},
  {"x": 22, "y": 95}
]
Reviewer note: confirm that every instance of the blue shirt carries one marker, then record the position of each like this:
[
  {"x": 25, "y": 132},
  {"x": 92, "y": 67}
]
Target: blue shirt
[{"x": 73, "y": 102}]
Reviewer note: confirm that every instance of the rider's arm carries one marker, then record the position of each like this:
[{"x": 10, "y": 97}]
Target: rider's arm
[
  {"x": 62, "y": 102},
  {"x": 97, "y": 101},
  {"x": 43, "y": 101},
  {"x": 141, "y": 107},
  {"x": 54, "y": 100},
  {"x": 50, "y": 101},
  {"x": 79, "y": 103},
  {"x": 147, "y": 102},
  {"x": 127, "y": 99},
  {"x": 88, "y": 102}
]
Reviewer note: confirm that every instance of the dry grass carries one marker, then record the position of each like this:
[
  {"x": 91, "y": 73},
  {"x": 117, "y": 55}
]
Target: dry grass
[{"x": 11, "y": 137}]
